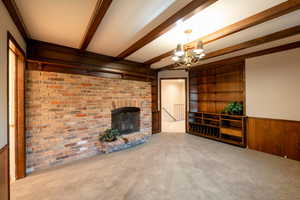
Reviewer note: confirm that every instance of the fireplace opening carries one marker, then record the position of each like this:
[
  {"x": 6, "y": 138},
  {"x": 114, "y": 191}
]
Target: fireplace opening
[{"x": 126, "y": 119}]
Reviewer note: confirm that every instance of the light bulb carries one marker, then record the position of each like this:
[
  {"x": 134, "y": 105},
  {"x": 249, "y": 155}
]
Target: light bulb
[{"x": 175, "y": 58}]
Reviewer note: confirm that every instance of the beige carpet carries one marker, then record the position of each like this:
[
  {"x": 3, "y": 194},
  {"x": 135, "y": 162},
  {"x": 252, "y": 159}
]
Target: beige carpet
[{"x": 170, "y": 166}]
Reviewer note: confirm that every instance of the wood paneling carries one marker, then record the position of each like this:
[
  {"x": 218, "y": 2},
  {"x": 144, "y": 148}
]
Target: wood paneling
[
  {"x": 16, "y": 17},
  {"x": 4, "y": 174},
  {"x": 87, "y": 62},
  {"x": 99, "y": 13},
  {"x": 156, "y": 122},
  {"x": 278, "y": 137},
  {"x": 212, "y": 89},
  {"x": 266, "y": 15},
  {"x": 185, "y": 13}
]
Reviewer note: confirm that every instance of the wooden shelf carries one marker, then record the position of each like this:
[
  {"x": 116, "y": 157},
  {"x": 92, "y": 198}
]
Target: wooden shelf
[
  {"x": 212, "y": 126},
  {"x": 212, "y": 119}
]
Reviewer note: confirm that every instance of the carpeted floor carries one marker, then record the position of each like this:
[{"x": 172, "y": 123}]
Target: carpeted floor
[{"x": 169, "y": 167}]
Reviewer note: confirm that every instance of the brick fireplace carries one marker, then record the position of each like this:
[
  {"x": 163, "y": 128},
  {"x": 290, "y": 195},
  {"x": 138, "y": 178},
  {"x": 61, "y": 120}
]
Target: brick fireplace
[
  {"x": 66, "y": 113},
  {"x": 126, "y": 119}
]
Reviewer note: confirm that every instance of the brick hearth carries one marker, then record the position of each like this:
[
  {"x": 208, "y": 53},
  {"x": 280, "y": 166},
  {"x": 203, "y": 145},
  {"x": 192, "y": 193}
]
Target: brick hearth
[{"x": 66, "y": 113}]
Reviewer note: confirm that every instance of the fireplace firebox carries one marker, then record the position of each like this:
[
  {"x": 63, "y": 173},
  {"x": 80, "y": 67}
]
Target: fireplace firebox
[{"x": 126, "y": 119}]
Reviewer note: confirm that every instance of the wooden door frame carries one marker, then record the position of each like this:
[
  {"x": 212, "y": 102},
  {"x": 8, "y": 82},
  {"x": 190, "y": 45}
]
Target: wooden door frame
[
  {"x": 186, "y": 98},
  {"x": 20, "y": 147}
]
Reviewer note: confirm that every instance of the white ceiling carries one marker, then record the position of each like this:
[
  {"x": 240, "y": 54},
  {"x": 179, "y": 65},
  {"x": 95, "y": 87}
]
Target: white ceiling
[
  {"x": 220, "y": 14},
  {"x": 61, "y": 22},
  {"x": 65, "y": 22},
  {"x": 128, "y": 20},
  {"x": 272, "y": 26}
]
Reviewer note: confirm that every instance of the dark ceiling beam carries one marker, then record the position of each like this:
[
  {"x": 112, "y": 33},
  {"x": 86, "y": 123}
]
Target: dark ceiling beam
[
  {"x": 239, "y": 58},
  {"x": 189, "y": 10},
  {"x": 251, "y": 43},
  {"x": 16, "y": 17},
  {"x": 66, "y": 57},
  {"x": 258, "y": 41},
  {"x": 99, "y": 13},
  {"x": 277, "y": 49},
  {"x": 266, "y": 15}
]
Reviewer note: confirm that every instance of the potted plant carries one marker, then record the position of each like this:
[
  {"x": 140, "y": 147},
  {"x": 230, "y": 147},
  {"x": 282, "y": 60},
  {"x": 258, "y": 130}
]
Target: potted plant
[
  {"x": 110, "y": 135},
  {"x": 233, "y": 108}
]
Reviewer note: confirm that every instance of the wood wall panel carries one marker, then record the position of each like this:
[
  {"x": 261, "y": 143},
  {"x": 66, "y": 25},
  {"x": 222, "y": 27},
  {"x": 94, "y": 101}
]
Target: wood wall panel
[
  {"x": 156, "y": 122},
  {"x": 70, "y": 60},
  {"x": 216, "y": 86},
  {"x": 278, "y": 137},
  {"x": 4, "y": 175}
]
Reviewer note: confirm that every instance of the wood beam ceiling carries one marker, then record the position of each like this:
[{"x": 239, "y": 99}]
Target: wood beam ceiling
[
  {"x": 258, "y": 41},
  {"x": 99, "y": 13},
  {"x": 251, "y": 43},
  {"x": 16, "y": 17},
  {"x": 271, "y": 13},
  {"x": 183, "y": 14},
  {"x": 235, "y": 59}
]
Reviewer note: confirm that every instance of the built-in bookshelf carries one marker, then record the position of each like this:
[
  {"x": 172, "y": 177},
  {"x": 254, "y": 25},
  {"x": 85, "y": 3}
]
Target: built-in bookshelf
[
  {"x": 221, "y": 127},
  {"x": 212, "y": 89}
]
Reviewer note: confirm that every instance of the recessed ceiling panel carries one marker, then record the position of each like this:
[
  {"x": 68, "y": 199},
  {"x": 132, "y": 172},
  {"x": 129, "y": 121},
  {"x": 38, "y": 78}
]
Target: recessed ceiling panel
[
  {"x": 128, "y": 20},
  {"x": 217, "y": 16},
  {"x": 61, "y": 22}
]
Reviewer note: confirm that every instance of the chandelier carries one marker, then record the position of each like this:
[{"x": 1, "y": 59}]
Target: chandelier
[{"x": 186, "y": 56}]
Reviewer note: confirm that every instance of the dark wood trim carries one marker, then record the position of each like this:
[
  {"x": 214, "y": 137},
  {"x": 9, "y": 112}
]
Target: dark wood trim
[
  {"x": 16, "y": 17},
  {"x": 266, "y": 118},
  {"x": 158, "y": 58},
  {"x": 189, "y": 10},
  {"x": 266, "y": 15},
  {"x": 20, "y": 141},
  {"x": 186, "y": 97},
  {"x": 99, "y": 13},
  {"x": 258, "y": 41},
  {"x": 4, "y": 148},
  {"x": 4, "y": 173},
  {"x": 68, "y": 69},
  {"x": 47, "y": 53},
  {"x": 241, "y": 58}
]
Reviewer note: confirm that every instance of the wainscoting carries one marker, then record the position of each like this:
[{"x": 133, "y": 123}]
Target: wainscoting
[
  {"x": 278, "y": 137},
  {"x": 4, "y": 179}
]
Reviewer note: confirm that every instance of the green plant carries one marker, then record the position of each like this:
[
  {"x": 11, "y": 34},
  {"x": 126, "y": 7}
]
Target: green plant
[
  {"x": 233, "y": 108},
  {"x": 110, "y": 135}
]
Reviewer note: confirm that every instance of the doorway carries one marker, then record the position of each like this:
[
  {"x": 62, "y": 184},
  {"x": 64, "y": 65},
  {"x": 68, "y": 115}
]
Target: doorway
[
  {"x": 16, "y": 118},
  {"x": 173, "y": 105}
]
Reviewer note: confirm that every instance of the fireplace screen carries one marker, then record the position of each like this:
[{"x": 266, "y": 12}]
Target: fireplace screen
[{"x": 126, "y": 119}]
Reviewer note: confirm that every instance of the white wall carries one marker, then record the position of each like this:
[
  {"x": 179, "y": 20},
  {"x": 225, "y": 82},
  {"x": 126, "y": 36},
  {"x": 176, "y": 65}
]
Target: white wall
[
  {"x": 273, "y": 85},
  {"x": 172, "y": 92},
  {"x": 172, "y": 74},
  {"x": 6, "y": 24}
]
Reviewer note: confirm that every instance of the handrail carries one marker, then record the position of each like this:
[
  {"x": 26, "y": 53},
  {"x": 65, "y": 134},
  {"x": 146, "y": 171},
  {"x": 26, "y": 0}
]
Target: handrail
[{"x": 169, "y": 113}]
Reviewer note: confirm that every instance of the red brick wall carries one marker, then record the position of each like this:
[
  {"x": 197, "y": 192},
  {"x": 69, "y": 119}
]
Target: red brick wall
[{"x": 65, "y": 114}]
